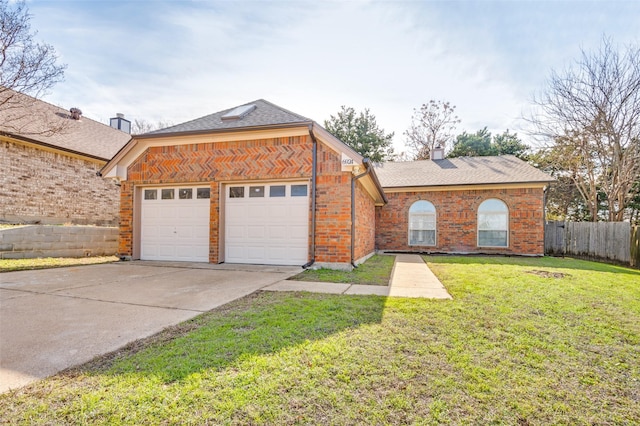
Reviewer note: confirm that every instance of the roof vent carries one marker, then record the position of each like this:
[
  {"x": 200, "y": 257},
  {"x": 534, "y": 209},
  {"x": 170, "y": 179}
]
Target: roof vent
[
  {"x": 120, "y": 123},
  {"x": 75, "y": 113},
  {"x": 437, "y": 153},
  {"x": 238, "y": 112}
]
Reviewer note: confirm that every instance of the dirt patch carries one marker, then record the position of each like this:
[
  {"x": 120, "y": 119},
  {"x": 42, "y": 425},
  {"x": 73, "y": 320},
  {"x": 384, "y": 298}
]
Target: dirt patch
[{"x": 547, "y": 274}]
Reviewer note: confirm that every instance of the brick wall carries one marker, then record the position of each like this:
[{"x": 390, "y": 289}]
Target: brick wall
[
  {"x": 53, "y": 188},
  {"x": 365, "y": 223},
  {"x": 456, "y": 221},
  {"x": 333, "y": 209},
  {"x": 264, "y": 159}
]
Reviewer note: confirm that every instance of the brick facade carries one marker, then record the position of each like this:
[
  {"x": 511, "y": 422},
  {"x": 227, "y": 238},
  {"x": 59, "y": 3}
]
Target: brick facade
[
  {"x": 365, "y": 238},
  {"x": 456, "y": 221},
  {"x": 53, "y": 188},
  {"x": 263, "y": 159}
]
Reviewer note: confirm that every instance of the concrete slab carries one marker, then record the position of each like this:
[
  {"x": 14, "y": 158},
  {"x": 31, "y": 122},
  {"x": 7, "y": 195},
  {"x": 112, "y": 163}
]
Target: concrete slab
[
  {"x": 213, "y": 287},
  {"x": 9, "y": 294},
  {"x": 57, "y": 318},
  {"x": 310, "y": 286},
  {"x": 411, "y": 277}
]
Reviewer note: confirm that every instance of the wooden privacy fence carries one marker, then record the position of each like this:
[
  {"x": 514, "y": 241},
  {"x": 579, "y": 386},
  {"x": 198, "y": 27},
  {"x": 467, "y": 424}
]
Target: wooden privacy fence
[{"x": 613, "y": 241}]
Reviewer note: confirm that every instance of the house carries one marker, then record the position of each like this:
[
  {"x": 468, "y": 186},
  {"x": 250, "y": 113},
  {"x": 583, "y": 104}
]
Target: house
[
  {"x": 462, "y": 205},
  {"x": 260, "y": 184},
  {"x": 49, "y": 160}
]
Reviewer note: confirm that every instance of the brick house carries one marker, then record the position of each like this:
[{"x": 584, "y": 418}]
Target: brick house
[
  {"x": 462, "y": 205},
  {"x": 49, "y": 159},
  {"x": 261, "y": 184}
]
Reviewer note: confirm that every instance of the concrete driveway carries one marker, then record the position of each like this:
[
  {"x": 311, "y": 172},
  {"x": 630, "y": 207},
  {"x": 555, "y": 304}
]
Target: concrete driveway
[{"x": 53, "y": 319}]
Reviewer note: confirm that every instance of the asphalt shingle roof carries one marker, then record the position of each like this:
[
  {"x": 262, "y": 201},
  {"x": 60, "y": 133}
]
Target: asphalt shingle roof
[
  {"x": 459, "y": 171},
  {"x": 33, "y": 119},
  {"x": 265, "y": 114}
]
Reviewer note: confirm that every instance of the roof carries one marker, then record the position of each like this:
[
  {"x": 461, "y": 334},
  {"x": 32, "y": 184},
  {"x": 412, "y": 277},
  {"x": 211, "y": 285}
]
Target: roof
[
  {"x": 264, "y": 114},
  {"x": 39, "y": 122},
  {"x": 459, "y": 171}
]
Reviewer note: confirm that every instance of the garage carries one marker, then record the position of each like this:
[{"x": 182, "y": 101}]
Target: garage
[
  {"x": 267, "y": 223},
  {"x": 175, "y": 224}
]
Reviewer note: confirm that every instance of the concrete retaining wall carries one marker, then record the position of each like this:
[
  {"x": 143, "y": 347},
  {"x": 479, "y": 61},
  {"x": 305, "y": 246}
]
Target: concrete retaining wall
[{"x": 57, "y": 241}]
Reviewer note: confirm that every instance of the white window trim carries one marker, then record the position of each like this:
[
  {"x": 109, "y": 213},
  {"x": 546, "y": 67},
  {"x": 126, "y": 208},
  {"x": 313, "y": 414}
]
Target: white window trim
[
  {"x": 435, "y": 227},
  {"x": 491, "y": 212}
]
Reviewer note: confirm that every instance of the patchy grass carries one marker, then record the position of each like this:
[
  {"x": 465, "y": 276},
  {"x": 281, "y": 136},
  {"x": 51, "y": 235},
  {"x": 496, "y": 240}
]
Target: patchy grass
[
  {"x": 375, "y": 271},
  {"x": 8, "y": 265},
  {"x": 513, "y": 347}
]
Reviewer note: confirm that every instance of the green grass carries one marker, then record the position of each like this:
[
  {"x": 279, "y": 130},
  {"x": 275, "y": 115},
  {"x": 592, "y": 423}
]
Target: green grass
[
  {"x": 375, "y": 271},
  {"x": 8, "y": 265},
  {"x": 558, "y": 346}
]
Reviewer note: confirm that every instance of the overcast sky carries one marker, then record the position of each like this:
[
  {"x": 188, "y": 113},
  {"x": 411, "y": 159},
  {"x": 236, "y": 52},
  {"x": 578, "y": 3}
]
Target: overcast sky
[{"x": 178, "y": 60}]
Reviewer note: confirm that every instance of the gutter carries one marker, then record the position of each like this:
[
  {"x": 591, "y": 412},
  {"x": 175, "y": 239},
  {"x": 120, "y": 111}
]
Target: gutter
[
  {"x": 314, "y": 168},
  {"x": 367, "y": 165}
]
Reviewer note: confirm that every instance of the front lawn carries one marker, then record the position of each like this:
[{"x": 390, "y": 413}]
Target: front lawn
[
  {"x": 7, "y": 265},
  {"x": 524, "y": 342},
  {"x": 375, "y": 271}
]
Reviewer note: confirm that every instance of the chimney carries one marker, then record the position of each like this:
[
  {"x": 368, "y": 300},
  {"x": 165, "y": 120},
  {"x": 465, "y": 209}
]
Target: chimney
[
  {"x": 437, "y": 153},
  {"x": 75, "y": 113},
  {"x": 120, "y": 123}
]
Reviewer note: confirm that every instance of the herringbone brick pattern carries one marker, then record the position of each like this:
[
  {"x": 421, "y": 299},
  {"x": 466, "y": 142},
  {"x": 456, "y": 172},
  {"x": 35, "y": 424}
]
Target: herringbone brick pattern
[{"x": 259, "y": 159}]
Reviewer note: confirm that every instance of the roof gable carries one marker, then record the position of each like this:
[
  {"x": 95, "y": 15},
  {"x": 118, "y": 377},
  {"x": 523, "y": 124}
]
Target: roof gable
[
  {"x": 39, "y": 122},
  {"x": 505, "y": 169},
  {"x": 241, "y": 117}
]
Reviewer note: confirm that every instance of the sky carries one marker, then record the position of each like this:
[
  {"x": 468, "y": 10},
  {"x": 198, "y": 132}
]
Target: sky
[{"x": 174, "y": 61}]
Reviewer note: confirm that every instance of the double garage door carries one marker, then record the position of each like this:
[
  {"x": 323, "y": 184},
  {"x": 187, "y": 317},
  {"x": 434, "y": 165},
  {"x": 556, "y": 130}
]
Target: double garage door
[{"x": 264, "y": 223}]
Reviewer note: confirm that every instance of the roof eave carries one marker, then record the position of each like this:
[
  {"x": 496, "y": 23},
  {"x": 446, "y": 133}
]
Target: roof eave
[
  {"x": 226, "y": 130},
  {"x": 51, "y": 146},
  {"x": 475, "y": 184}
]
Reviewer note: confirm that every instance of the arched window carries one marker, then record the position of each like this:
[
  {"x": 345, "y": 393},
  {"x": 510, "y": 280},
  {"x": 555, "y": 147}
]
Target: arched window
[
  {"x": 493, "y": 224},
  {"x": 422, "y": 224}
]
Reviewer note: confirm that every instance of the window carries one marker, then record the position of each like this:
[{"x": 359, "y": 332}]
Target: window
[
  {"x": 277, "y": 191},
  {"x": 203, "y": 193},
  {"x": 493, "y": 224},
  {"x": 185, "y": 193},
  {"x": 167, "y": 194},
  {"x": 150, "y": 194},
  {"x": 422, "y": 224},
  {"x": 236, "y": 192},
  {"x": 298, "y": 190},
  {"x": 256, "y": 191}
]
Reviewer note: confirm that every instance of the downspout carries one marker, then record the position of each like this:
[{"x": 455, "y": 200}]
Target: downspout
[
  {"x": 365, "y": 162},
  {"x": 314, "y": 167}
]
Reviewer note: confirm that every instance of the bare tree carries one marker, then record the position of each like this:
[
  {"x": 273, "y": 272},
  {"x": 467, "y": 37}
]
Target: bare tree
[
  {"x": 590, "y": 113},
  {"x": 26, "y": 67},
  {"x": 140, "y": 126},
  {"x": 431, "y": 125}
]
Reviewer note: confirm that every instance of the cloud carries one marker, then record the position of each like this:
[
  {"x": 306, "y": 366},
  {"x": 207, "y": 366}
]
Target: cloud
[{"x": 175, "y": 61}]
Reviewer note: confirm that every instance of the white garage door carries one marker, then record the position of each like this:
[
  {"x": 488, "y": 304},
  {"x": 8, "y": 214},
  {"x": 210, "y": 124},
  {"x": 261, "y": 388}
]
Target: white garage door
[
  {"x": 267, "y": 223},
  {"x": 175, "y": 224}
]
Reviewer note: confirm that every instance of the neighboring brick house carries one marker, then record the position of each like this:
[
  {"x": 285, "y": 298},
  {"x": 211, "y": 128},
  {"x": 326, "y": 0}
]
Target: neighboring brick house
[
  {"x": 261, "y": 184},
  {"x": 49, "y": 161}
]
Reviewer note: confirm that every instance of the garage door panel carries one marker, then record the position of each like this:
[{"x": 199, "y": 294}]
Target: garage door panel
[
  {"x": 274, "y": 229},
  {"x": 298, "y": 233},
  {"x": 278, "y": 232},
  {"x": 234, "y": 232},
  {"x": 176, "y": 229},
  {"x": 255, "y": 231},
  {"x": 256, "y": 253}
]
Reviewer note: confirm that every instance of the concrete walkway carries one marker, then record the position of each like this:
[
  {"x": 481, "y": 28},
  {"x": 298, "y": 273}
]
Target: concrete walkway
[{"x": 411, "y": 277}]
